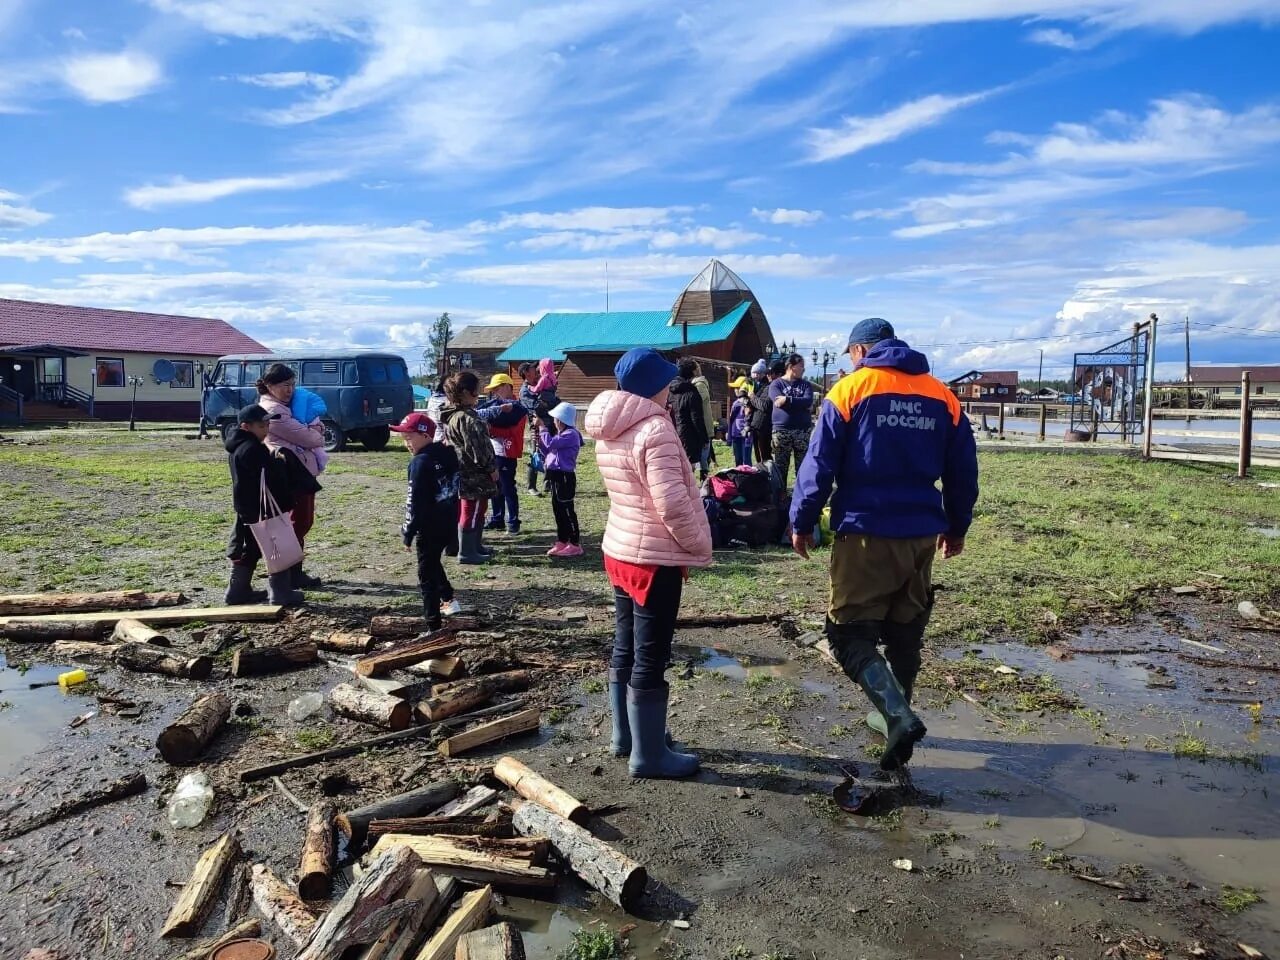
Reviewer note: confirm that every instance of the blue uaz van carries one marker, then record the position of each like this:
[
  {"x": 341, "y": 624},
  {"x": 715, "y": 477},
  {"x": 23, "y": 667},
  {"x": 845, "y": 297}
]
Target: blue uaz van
[{"x": 365, "y": 392}]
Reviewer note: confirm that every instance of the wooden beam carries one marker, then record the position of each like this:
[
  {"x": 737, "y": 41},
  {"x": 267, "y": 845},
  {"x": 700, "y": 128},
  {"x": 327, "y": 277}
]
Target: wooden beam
[
  {"x": 473, "y": 910},
  {"x": 446, "y": 668},
  {"x": 316, "y": 866},
  {"x": 474, "y": 859},
  {"x": 533, "y": 787},
  {"x": 400, "y": 936},
  {"x": 35, "y": 604},
  {"x": 132, "y": 631},
  {"x": 492, "y": 732},
  {"x": 182, "y": 741},
  {"x": 250, "y": 661},
  {"x": 434, "y": 644},
  {"x": 502, "y": 941},
  {"x": 202, "y": 889},
  {"x": 368, "y": 907},
  {"x": 475, "y": 798},
  {"x": 354, "y": 824},
  {"x": 619, "y": 878},
  {"x": 380, "y": 709},
  {"x": 48, "y": 631},
  {"x": 469, "y": 826},
  {"x": 281, "y": 905},
  {"x": 248, "y": 613}
]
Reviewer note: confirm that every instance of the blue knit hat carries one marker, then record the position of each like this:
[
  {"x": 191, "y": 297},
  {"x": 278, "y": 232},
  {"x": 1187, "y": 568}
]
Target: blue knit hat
[
  {"x": 644, "y": 371},
  {"x": 871, "y": 330}
]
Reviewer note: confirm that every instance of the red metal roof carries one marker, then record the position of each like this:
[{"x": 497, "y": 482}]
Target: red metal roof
[{"x": 91, "y": 328}]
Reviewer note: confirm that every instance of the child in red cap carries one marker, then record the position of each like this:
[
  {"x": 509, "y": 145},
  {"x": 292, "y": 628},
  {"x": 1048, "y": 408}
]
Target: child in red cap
[{"x": 431, "y": 512}]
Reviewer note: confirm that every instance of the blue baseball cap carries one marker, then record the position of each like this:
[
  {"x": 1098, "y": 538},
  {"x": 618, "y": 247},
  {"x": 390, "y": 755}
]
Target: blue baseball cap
[
  {"x": 870, "y": 330},
  {"x": 644, "y": 371}
]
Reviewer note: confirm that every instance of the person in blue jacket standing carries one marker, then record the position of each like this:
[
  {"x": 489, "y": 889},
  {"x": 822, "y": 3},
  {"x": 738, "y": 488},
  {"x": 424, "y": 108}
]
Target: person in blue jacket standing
[{"x": 887, "y": 434}]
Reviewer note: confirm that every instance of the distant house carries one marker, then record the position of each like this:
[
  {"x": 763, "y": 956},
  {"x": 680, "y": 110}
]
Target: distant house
[
  {"x": 1264, "y": 381},
  {"x": 715, "y": 319},
  {"x": 476, "y": 347},
  {"x": 986, "y": 385},
  {"x": 72, "y": 363}
]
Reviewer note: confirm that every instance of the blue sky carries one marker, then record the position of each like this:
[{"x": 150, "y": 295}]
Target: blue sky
[{"x": 986, "y": 174}]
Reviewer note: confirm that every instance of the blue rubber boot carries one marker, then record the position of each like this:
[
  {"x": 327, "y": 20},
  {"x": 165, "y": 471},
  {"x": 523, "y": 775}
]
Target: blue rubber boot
[
  {"x": 651, "y": 758},
  {"x": 620, "y": 745}
]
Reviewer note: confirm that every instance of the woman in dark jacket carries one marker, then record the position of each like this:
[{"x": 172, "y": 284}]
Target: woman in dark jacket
[{"x": 687, "y": 411}]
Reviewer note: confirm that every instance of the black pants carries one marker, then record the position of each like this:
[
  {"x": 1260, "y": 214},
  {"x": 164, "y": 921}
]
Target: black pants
[
  {"x": 762, "y": 441},
  {"x": 564, "y": 487},
  {"x": 506, "y": 505},
  {"x": 533, "y": 477},
  {"x": 432, "y": 580},
  {"x": 643, "y": 634}
]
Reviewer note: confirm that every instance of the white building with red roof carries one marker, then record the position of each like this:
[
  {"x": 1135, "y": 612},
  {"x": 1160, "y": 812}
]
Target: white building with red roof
[{"x": 59, "y": 362}]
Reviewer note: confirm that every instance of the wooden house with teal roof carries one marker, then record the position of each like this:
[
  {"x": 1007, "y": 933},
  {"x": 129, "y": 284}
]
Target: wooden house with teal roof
[{"x": 715, "y": 319}]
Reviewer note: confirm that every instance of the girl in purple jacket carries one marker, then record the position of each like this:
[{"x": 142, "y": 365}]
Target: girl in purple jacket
[{"x": 560, "y": 456}]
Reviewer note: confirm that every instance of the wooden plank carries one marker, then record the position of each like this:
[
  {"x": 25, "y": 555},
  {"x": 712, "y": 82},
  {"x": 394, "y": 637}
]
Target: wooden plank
[
  {"x": 469, "y": 826},
  {"x": 534, "y": 787},
  {"x": 492, "y": 732},
  {"x": 35, "y": 604},
  {"x": 502, "y": 941},
  {"x": 202, "y": 889},
  {"x": 475, "y": 798},
  {"x": 399, "y": 936},
  {"x": 249, "y": 613},
  {"x": 475, "y": 861},
  {"x": 370, "y": 905},
  {"x": 473, "y": 910},
  {"x": 281, "y": 905}
]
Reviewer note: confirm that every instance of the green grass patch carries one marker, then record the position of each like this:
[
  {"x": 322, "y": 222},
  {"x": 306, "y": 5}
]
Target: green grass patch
[
  {"x": 316, "y": 738},
  {"x": 592, "y": 945},
  {"x": 1235, "y": 900}
]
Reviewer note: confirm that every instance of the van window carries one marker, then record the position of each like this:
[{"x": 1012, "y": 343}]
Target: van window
[
  {"x": 228, "y": 374},
  {"x": 397, "y": 372},
  {"x": 349, "y": 376},
  {"x": 375, "y": 370},
  {"x": 320, "y": 373},
  {"x": 252, "y": 372}
]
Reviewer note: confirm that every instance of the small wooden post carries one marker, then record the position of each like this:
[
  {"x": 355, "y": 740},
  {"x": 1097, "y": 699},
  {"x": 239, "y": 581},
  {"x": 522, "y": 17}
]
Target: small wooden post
[
  {"x": 1093, "y": 427},
  {"x": 1001, "y": 428},
  {"x": 1246, "y": 426},
  {"x": 1044, "y": 415}
]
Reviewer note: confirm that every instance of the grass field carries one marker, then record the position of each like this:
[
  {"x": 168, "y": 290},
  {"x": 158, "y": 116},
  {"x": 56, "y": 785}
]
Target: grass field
[{"x": 1058, "y": 540}]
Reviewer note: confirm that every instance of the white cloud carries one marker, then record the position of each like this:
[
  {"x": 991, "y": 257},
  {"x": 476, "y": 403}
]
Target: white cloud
[
  {"x": 181, "y": 190},
  {"x": 859, "y": 133},
  {"x": 16, "y": 214},
  {"x": 596, "y": 219},
  {"x": 111, "y": 77},
  {"x": 641, "y": 273},
  {"x": 289, "y": 80},
  {"x": 790, "y": 218},
  {"x": 1053, "y": 37},
  {"x": 713, "y": 238}
]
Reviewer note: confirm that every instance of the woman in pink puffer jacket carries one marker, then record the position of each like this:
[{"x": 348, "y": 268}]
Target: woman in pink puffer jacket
[{"x": 657, "y": 530}]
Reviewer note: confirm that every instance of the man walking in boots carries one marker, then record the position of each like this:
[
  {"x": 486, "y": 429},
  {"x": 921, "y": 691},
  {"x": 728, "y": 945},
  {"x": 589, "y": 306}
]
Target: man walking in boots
[{"x": 888, "y": 433}]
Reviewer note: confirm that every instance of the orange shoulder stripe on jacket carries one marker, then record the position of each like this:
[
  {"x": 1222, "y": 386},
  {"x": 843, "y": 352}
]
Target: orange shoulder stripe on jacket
[{"x": 870, "y": 381}]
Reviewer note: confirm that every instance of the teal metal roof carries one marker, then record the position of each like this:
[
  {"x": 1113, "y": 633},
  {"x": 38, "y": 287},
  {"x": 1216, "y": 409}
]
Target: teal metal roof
[{"x": 557, "y": 333}]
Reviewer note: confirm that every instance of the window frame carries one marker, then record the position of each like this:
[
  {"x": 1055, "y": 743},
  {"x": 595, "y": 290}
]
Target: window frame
[{"x": 99, "y": 363}]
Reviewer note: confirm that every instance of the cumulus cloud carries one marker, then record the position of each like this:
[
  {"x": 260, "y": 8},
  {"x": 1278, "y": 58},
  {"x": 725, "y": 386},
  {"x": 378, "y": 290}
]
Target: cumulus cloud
[
  {"x": 180, "y": 190},
  {"x": 790, "y": 218},
  {"x": 856, "y": 134},
  {"x": 15, "y": 213},
  {"x": 111, "y": 77}
]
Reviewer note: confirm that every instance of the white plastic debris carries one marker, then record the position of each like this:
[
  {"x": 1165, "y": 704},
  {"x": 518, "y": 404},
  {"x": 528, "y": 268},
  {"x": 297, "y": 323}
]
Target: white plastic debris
[
  {"x": 190, "y": 803},
  {"x": 304, "y": 706},
  {"x": 1006, "y": 671},
  {"x": 1249, "y": 610},
  {"x": 906, "y": 865}
]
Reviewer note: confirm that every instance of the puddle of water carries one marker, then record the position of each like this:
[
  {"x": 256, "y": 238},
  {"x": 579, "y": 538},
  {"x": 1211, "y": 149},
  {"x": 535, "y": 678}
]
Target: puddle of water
[
  {"x": 548, "y": 928},
  {"x": 32, "y": 717},
  {"x": 1271, "y": 533},
  {"x": 740, "y": 666}
]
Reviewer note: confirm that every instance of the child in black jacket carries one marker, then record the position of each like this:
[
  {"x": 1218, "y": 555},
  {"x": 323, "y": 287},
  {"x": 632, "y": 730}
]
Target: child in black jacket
[{"x": 431, "y": 512}]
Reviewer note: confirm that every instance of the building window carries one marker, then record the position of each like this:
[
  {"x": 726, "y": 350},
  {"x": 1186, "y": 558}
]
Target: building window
[
  {"x": 184, "y": 375},
  {"x": 466, "y": 361},
  {"x": 109, "y": 371}
]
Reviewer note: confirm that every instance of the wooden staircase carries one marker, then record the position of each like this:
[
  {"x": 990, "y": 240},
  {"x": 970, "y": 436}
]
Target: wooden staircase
[{"x": 52, "y": 413}]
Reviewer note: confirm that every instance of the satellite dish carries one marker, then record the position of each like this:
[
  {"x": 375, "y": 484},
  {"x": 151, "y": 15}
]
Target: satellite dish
[{"x": 164, "y": 371}]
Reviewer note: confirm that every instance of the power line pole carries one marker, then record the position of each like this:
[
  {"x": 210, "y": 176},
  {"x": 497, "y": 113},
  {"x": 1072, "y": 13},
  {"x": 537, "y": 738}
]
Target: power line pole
[
  {"x": 1186, "y": 330},
  {"x": 1040, "y": 374}
]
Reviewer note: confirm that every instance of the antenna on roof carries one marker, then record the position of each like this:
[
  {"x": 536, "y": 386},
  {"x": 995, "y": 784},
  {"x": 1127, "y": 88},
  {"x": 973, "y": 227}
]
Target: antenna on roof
[{"x": 606, "y": 286}]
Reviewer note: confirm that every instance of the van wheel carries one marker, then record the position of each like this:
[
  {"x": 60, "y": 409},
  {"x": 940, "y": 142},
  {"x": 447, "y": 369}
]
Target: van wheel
[
  {"x": 376, "y": 438},
  {"x": 227, "y": 428},
  {"x": 335, "y": 439}
]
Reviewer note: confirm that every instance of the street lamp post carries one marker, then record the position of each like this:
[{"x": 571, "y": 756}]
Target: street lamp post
[{"x": 135, "y": 382}]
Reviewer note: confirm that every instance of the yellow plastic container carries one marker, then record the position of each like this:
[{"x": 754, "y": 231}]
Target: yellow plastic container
[{"x": 71, "y": 678}]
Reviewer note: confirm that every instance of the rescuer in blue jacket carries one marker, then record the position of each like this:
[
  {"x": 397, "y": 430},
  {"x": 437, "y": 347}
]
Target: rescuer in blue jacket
[{"x": 887, "y": 434}]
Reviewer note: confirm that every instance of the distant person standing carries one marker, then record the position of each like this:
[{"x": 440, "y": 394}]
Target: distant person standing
[
  {"x": 792, "y": 399},
  {"x": 703, "y": 386},
  {"x": 477, "y": 466},
  {"x": 888, "y": 433},
  {"x": 505, "y": 418},
  {"x": 761, "y": 412},
  {"x": 560, "y": 452},
  {"x": 689, "y": 412},
  {"x": 740, "y": 423},
  {"x": 529, "y": 400}
]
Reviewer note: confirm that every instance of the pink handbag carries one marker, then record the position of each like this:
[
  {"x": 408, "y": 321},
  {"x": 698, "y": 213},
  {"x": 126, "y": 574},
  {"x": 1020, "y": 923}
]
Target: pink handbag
[{"x": 274, "y": 533}]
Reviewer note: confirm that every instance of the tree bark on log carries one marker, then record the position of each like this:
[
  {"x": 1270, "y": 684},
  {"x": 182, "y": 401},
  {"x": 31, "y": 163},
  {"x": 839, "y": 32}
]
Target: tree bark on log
[
  {"x": 446, "y": 668},
  {"x": 472, "y": 912},
  {"x": 343, "y": 641},
  {"x": 400, "y": 936},
  {"x": 253, "y": 661},
  {"x": 487, "y": 733},
  {"x": 619, "y": 878},
  {"x": 397, "y": 628},
  {"x": 354, "y": 824},
  {"x": 448, "y": 699},
  {"x": 369, "y": 906},
  {"x": 502, "y": 941},
  {"x": 241, "y": 931},
  {"x": 370, "y": 707},
  {"x": 127, "y": 786},
  {"x": 533, "y": 787},
  {"x": 436, "y": 708},
  {"x": 37, "y": 604},
  {"x": 434, "y": 644},
  {"x": 144, "y": 658},
  {"x": 475, "y": 798},
  {"x": 202, "y": 889},
  {"x": 281, "y": 905},
  {"x": 316, "y": 866},
  {"x": 502, "y": 863},
  {"x": 469, "y": 826},
  {"x": 47, "y": 631},
  {"x": 508, "y": 681},
  {"x": 132, "y": 631},
  {"x": 183, "y": 740},
  {"x": 80, "y": 650}
]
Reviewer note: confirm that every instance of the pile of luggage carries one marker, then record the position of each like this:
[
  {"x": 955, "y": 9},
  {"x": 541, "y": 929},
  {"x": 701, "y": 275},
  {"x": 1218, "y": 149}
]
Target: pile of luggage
[{"x": 746, "y": 506}]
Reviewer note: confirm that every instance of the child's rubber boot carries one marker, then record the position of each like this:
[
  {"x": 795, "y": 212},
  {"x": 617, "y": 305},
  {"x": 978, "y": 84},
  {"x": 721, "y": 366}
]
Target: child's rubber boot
[
  {"x": 620, "y": 743},
  {"x": 651, "y": 758},
  {"x": 303, "y": 580},
  {"x": 468, "y": 542},
  {"x": 280, "y": 590},
  {"x": 240, "y": 588}
]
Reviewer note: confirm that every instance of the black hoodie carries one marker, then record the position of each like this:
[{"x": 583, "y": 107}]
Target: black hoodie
[
  {"x": 686, "y": 409},
  {"x": 248, "y": 457}
]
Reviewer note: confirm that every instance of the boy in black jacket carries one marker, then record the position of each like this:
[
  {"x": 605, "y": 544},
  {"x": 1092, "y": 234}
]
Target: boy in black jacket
[
  {"x": 249, "y": 458},
  {"x": 431, "y": 512}
]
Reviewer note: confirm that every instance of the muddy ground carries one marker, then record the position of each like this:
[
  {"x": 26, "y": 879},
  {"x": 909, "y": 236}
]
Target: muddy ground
[{"x": 1133, "y": 764}]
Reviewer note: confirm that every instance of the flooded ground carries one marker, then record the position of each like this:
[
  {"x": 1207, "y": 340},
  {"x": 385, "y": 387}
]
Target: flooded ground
[{"x": 33, "y": 709}]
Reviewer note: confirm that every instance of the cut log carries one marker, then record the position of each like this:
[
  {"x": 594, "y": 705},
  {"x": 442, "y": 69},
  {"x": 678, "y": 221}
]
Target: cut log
[
  {"x": 145, "y": 658},
  {"x": 202, "y": 889},
  {"x": 533, "y": 787},
  {"x": 237, "y": 896},
  {"x": 127, "y": 786},
  {"x": 243, "y": 614},
  {"x": 241, "y": 931},
  {"x": 396, "y": 628},
  {"x": 47, "y": 631},
  {"x": 433, "y": 645},
  {"x": 523, "y": 722},
  {"x": 449, "y": 699},
  {"x": 471, "y": 826},
  {"x": 253, "y": 661},
  {"x": 183, "y": 740},
  {"x": 619, "y": 878},
  {"x": 475, "y": 798},
  {"x": 446, "y": 668},
  {"x": 369, "y": 906},
  {"x": 80, "y": 650},
  {"x": 472, "y": 913},
  {"x": 474, "y": 859},
  {"x": 378, "y": 708},
  {"x": 35, "y": 604},
  {"x": 354, "y": 824},
  {"x": 316, "y": 867},
  {"x": 342, "y": 641},
  {"x": 502, "y": 941},
  {"x": 401, "y": 936},
  {"x": 132, "y": 631},
  {"x": 281, "y": 905}
]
